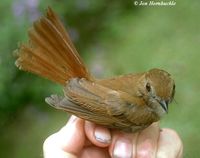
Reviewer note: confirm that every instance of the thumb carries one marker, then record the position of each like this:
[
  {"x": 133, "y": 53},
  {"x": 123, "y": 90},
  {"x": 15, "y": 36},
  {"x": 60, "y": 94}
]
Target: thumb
[{"x": 66, "y": 143}]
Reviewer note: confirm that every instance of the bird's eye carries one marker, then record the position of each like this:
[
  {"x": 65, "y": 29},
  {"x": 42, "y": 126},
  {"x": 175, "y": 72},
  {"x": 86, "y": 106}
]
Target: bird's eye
[{"x": 148, "y": 87}]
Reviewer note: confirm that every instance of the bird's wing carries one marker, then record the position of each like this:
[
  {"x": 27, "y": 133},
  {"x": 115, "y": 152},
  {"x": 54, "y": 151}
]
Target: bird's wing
[
  {"x": 65, "y": 104},
  {"x": 97, "y": 98},
  {"x": 99, "y": 104}
]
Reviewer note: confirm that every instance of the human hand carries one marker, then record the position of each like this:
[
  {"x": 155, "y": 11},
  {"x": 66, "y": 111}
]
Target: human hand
[{"x": 83, "y": 139}]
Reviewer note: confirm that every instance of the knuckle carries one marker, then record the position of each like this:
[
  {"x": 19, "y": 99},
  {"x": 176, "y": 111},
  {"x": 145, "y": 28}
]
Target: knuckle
[{"x": 144, "y": 154}]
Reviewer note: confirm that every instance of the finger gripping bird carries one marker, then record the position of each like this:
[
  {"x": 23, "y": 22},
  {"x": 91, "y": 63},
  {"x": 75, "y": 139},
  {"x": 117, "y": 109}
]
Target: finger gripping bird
[{"x": 129, "y": 102}]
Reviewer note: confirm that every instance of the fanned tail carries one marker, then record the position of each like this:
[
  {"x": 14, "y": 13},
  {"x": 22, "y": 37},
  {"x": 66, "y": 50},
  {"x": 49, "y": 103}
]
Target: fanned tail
[{"x": 50, "y": 52}]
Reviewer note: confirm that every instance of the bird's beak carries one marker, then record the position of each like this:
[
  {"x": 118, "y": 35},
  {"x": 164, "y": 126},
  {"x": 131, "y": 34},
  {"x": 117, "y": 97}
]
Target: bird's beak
[{"x": 164, "y": 105}]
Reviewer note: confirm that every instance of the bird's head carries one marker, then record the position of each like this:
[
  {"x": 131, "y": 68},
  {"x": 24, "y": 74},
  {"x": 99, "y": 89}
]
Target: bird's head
[{"x": 158, "y": 89}]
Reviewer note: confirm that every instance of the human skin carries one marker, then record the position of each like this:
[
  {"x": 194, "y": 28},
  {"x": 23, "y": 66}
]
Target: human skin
[{"x": 83, "y": 139}]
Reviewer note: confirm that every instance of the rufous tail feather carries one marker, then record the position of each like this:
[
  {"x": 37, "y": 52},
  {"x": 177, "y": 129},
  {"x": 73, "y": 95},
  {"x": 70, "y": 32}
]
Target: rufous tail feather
[{"x": 50, "y": 52}]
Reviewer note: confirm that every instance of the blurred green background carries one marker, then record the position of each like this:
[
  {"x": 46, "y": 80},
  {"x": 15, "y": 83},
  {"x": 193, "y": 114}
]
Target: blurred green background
[{"x": 113, "y": 37}]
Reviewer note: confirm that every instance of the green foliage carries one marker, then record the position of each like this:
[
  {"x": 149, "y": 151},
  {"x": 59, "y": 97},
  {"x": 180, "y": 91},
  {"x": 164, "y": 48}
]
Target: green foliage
[
  {"x": 114, "y": 37},
  {"x": 166, "y": 38},
  {"x": 18, "y": 89}
]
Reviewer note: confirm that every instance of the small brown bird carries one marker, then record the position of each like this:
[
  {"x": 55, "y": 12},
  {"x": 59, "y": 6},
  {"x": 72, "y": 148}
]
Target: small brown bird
[{"x": 130, "y": 103}]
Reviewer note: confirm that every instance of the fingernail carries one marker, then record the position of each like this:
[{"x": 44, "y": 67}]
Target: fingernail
[
  {"x": 102, "y": 135},
  {"x": 122, "y": 148}
]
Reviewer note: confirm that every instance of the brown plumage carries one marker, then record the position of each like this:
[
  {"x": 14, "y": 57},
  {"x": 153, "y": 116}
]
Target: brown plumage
[{"x": 129, "y": 103}]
